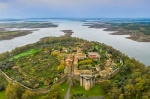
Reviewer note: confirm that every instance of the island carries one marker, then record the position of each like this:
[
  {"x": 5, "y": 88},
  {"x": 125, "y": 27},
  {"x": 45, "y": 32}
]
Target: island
[
  {"x": 67, "y": 32},
  {"x": 71, "y": 68}
]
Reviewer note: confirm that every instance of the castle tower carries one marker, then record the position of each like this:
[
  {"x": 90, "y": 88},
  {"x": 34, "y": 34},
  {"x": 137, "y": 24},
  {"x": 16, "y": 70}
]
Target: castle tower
[{"x": 87, "y": 81}]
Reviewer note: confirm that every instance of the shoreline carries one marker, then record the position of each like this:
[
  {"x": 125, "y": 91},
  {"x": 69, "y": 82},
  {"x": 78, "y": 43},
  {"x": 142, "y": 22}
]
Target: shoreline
[
  {"x": 119, "y": 31},
  {"x": 8, "y": 35},
  {"x": 14, "y": 34}
]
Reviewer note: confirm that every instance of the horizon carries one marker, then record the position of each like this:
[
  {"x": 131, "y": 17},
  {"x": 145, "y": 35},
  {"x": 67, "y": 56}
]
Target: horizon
[{"x": 73, "y": 18}]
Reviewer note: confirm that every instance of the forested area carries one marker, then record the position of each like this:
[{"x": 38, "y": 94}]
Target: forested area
[{"x": 133, "y": 81}]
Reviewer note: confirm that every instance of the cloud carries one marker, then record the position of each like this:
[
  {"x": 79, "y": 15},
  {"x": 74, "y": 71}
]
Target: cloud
[
  {"x": 3, "y": 5},
  {"x": 76, "y": 3},
  {"x": 73, "y": 7},
  {"x": 79, "y": 2}
]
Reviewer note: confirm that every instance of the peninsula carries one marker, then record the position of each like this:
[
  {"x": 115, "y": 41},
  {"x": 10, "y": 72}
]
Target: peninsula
[
  {"x": 138, "y": 31},
  {"x": 72, "y": 68},
  {"x": 7, "y": 35}
]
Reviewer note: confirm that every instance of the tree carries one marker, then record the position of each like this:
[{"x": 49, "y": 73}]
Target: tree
[
  {"x": 55, "y": 53},
  {"x": 10, "y": 92},
  {"x": 14, "y": 91},
  {"x": 129, "y": 90},
  {"x": 145, "y": 97},
  {"x": 27, "y": 95},
  {"x": 106, "y": 85},
  {"x": 121, "y": 96},
  {"x": 85, "y": 62},
  {"x": 61, "y": 66},
  {"x": 115, "y": 93},
  {"x": 2, "y": 86},
  {"x": 55, "y": 93}
]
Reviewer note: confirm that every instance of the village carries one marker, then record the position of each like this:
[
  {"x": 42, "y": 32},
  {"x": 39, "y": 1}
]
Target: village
[
  {"x": 86, "y": 67},
  {"x": 78, "y": 66}
]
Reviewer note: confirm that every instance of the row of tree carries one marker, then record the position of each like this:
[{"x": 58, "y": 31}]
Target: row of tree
[{"x": 15, "y": 91}]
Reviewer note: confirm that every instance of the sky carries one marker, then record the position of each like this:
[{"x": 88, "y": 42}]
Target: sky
[{"x": 74, "y": 8}]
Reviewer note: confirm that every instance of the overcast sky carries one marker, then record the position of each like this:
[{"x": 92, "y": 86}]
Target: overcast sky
[{"x": 75, "y": 8}]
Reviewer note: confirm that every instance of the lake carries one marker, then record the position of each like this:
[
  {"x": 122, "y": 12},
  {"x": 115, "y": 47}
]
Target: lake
[{"x": 138, "y": 50}]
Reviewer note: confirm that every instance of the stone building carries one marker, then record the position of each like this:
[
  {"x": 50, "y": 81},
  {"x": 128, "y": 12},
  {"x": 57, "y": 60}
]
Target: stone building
[{"x": 87, "y": 81}]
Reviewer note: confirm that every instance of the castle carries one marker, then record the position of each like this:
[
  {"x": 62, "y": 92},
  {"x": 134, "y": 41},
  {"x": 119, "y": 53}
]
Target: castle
[{"x": 87, "y": 81}]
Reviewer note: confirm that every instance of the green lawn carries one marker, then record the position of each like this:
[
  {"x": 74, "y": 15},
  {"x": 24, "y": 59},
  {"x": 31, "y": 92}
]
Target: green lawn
[
  {"x": 64, "y": 87},
  {"x": 78, "y": 91},
  {"x": 2, "y": 95},
  {"x": 32, "y": 51}
]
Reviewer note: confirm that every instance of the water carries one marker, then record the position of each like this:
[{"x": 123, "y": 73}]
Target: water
[{"x": 139, "y": 50}]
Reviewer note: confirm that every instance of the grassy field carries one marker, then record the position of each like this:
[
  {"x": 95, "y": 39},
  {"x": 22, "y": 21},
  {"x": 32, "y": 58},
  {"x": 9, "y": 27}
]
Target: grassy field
[
  {"x": 32, "y": 51},
  {"x": 78, "y": 91},
  {"x": 64, "y": 87},
  {"x": 2, "y": 95}
]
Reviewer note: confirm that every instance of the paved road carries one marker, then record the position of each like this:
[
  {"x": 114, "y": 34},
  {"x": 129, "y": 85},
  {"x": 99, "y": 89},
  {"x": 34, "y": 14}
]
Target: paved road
[{"x": 67, "y": 96}]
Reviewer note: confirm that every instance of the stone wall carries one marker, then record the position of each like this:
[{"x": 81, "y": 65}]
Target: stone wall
[{"x": 39, "y": 90}]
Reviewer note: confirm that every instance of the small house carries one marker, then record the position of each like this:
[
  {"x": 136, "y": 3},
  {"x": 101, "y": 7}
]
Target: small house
[{"x": 93, "y": 55}]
